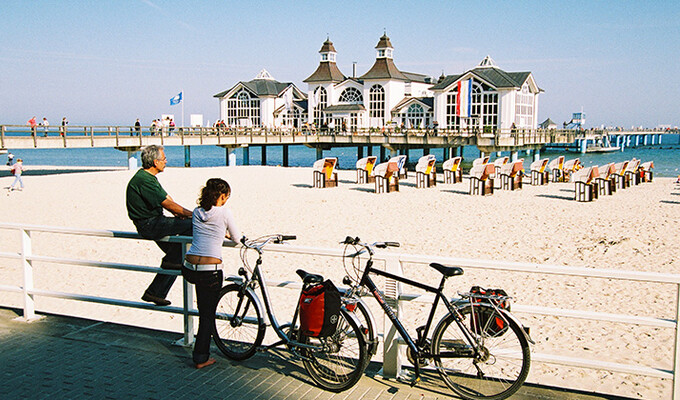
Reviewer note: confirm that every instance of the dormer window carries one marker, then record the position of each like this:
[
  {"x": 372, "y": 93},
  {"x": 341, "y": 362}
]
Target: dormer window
[
  {"x": 324, "y": 57},
  {"x": 388, "y": 53},
  {"x": 332, "y": 57},
  {"x": 381, "y": 53}
]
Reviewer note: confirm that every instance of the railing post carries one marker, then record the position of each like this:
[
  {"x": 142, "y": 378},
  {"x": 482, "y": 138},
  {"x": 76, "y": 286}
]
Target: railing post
[
  {"x": 676, "y": 348},
  {"x": 29, "y": 302},
  {"x": 188, "y": 339},
  {"x": 391, "y": 352},
  {"x": 91, "y": 136},
  {"x": 2, "y": 136}
]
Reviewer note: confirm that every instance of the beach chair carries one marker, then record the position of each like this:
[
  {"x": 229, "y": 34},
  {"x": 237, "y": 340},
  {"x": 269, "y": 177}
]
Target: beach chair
[
  {"x": 480, "y": 161},
  {"x": 481, "y": 179},
  {"x": 324, "y": 172},
  {"x": 498, "y": 163},
  {"x": 386, "y": 177},
  {"x": 570, "y": 166},
  {"x": 539, "y": 173},
  {"x": 555, "y": 167},
  {"x": 365, "y": 169},
  {"x": 453, "y": 173},
  {"x": 619, "y": 176},
  {"x": 605, "y": 181},
  {"x": 631, "y": 172},
  {"x": 511, "y": 175},
  {"x": 646, "y": 174},
  {"x": 586, "y": 187},
  {"x": 401, "y": 163},
  {"x": 426, "y": 172}
]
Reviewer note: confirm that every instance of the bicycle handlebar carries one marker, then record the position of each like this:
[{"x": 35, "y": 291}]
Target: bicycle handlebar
[
  {"x": 259, "y": 243},
  {"x": 356, "y": 241}
]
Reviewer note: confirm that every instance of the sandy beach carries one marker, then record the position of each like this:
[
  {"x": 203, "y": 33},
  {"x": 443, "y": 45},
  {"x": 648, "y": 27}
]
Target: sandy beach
[{"x": 636, "y": 229}]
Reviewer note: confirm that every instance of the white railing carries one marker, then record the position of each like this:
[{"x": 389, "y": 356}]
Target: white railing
[{"x": 394, "y": 263}]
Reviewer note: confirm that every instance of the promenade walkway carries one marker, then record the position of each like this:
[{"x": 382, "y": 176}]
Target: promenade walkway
[{"x": 60, "y": 357}]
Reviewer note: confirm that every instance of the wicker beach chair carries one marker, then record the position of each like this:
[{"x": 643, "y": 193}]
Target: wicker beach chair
[
  {"x": 570, "y": 166},
  {"x": 605, "y": 181},
  {"x": 365, "y": 169},
  {"x": 386, "y": 177},
  {"x": 511, "y": 175},
  {"x": 539, "y": 172},
  {"x": 481, "y": 179},
  {"x": 426, "y": 172},
  {"x": 646, "y": 173},
  {"x": 480, "y": 161},
  {"x": 586, "y": 186},
  {"x": 620, "y": 179},
  {"x": 324, "y": 172},
  {"x": 632, "y": 173},
  {"x": 453, "y": 173},
  {"x": 498, "y": 163},
  {"x": 401, "y": 163},
  {"x": 555, "y": 167}
]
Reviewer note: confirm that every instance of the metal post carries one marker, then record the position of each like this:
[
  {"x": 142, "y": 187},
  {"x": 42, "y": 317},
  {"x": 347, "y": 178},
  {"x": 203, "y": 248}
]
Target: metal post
[
  {"x": 29, "y": 302},
  {"x": 187, "y": 156},
  {"x": 285, "y": 155},
  {"x": 264, "y": 155},
  {"x": 360, "y": 152},
  {"x": 319, "y": 153},
  {"x": 246, "y": 155},
  {"x": 676, "y": 349},
  {"x": 2, "y": 136},
  {"x": 391, "y": 352},
  {"x": 188, "y": 339}
]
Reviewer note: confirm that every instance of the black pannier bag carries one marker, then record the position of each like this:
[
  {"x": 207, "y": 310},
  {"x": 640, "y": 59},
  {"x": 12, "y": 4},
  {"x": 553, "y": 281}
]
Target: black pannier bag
[
  {"x": 485, "y": 318},
  {"x": 319, "y": 309}
]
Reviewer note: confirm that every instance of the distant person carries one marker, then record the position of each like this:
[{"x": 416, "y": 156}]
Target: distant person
[
  {"x": 17, "y": 170},
  {"x": 145, "y": 201},
  {"x": 212, "y": 222},
  {"x": 152, "y": 128},
  {"x": 10, "y": 158},
  {"x": 172, "y": 126},
  {"x": 62, "y": 130},
  {"x": 46, "y": 125},
  {"x": 33, "y": 124},
  {"x": 138, "y": 127}
]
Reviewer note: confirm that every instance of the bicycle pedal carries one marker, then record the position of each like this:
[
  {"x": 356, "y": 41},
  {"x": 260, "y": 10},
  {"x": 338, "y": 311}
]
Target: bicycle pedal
[{"x": 414, "y": 381}]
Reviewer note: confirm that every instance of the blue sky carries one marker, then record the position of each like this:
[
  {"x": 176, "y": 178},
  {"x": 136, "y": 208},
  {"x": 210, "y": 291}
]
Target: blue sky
[{"x": 110, "y": 62}]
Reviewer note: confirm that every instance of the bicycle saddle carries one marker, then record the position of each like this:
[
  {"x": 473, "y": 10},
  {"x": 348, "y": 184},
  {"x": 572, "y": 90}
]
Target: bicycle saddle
[
  {"x": 447, "y": 271},
  {"x": 309, "y": 278}
]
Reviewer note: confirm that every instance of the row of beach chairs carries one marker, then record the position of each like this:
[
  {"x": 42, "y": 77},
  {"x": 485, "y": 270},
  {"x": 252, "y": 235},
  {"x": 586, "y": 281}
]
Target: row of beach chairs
[{"x": 484, "y": 174}]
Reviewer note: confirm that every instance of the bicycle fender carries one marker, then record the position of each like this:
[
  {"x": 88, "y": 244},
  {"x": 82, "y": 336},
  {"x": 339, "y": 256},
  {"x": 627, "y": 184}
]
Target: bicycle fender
[
  {"x": 258, "y": 304},
  {"x": 371, "y": 318},
  {"x": 513, "y": 318}
]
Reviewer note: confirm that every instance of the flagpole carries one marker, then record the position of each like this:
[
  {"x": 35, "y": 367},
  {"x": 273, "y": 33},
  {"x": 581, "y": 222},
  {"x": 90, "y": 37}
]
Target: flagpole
[{"x": 182, "y": 109}]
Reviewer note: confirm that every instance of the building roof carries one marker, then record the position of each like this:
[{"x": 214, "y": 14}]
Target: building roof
[
  {"x": 262, "y": 86},
  {"x": 547, "y": 123},
  {"x": 427, "y": 101},
  {"x": 327, "y": 47},
  {"x": 493, "y": 75},
  {"x": 326, "y": 72},
  {"x": 384, "y": 42},
  {"x": 384, "y": 68},
  {"x": 414, "y": 77},
  {"x": 345, "y": 108}
]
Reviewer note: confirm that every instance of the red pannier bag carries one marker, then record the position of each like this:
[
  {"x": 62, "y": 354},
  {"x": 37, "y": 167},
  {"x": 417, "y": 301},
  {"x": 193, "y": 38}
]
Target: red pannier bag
[
  {"x": 319, "y": 309},
  {"x": 491, "y": 321}
]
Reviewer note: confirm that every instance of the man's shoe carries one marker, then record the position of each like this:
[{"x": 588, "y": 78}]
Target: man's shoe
[{"x": 155, "y": 299}]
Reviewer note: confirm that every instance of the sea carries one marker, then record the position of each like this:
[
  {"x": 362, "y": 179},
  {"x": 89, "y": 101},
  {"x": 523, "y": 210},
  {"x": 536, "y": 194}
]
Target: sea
[{"x": 666, "y": 156}]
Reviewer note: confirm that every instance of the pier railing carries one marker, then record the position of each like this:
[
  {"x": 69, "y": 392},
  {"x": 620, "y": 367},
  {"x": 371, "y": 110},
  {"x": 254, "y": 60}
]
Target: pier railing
[{"x": 394, "y": 262}]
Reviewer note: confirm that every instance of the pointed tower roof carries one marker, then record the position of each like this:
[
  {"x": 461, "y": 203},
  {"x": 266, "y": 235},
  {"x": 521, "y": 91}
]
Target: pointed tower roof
[
  {"x": 384, "y": 67},
  {"x": 327, "y": 71}
]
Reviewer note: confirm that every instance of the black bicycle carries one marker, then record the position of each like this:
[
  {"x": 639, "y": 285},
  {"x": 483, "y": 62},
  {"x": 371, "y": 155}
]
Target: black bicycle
[
  {"x": 335, "y": 362},
  {"x": 479, "y": 349}
]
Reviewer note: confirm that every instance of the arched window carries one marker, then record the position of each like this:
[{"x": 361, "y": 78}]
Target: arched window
[
  {"x": 524, "y": 108},
  {"x": 241, "y": 107},
  {"x": 415, "y": 115},
  {"x": 352, "y": 96},
  {"x": 376, "y": 103},
  {"x": 483, "y": 108},
  {"x": 321, "y": 100}
]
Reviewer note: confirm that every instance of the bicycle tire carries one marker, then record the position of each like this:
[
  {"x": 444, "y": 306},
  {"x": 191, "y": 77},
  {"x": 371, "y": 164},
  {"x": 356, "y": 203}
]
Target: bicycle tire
[
  {"x": 342, "y": 362},
  {"x": 238, "y": 338},
  {"x": 364, "y": 317},
  {"x": 501, "y": 368}
]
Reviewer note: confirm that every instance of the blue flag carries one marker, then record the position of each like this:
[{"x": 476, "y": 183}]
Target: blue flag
[{"x": 176, "y": 100}]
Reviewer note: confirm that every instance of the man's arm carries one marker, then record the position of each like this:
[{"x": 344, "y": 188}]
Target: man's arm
[{"x": 176, "y": 210}]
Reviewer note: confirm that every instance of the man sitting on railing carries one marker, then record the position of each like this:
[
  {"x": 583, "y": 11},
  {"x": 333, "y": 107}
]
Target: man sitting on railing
[{"x": 145, "y": 201}]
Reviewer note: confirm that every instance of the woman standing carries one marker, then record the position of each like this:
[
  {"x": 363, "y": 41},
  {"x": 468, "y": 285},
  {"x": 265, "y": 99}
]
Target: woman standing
[{"x": 212, "y": 222}]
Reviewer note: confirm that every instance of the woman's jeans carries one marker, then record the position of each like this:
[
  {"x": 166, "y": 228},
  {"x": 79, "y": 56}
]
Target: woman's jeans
[
  {"x": 208, "y": 285},
  {"x": 157, "y": 228}
]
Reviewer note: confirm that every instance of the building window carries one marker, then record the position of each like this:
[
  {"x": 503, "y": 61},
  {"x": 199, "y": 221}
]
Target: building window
[
  {"x": 483, "y": 108},
  {"x": 524, "y": 108},
  {"x": 415, "y": 115},
  {"x": 243, "y": 110},
  {"x": 352, "y": 96},
  {"x": 324, "y": 57},
  {"x": 381, "y": 53},
  {"x": 321, "y": 100},
  {"x": 292, "y": 118},
  {"x": 376, "y": 104}
]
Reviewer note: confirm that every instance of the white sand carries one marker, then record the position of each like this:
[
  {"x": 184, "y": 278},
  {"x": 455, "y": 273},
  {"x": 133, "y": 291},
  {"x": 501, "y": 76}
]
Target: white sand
[{"x": 636, "y": 229}]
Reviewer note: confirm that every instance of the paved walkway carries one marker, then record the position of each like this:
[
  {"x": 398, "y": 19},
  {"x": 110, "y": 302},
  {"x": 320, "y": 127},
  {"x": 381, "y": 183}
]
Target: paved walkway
[{"x": 71, "y": 358}]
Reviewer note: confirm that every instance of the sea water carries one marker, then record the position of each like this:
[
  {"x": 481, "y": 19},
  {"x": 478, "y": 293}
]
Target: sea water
[{"x": 666, "y": 156}]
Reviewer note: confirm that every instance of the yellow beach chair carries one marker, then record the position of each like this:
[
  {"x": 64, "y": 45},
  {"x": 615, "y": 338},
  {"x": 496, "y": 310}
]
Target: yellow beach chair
[
  {"x": 453, "y": 173},
  {"x": 511, "y": 175},
  {"x": 481, "y": 179},
  {"x": 365, "y": 169},
  {"x": 324, "y": 172},
  {"x": 646, "y": 174},
  {"x": 586, "y": 187},
  {"x": 426, "y": 172},
  {"x": 386, "y": 177},
  {"x": 539, "y": 173}
]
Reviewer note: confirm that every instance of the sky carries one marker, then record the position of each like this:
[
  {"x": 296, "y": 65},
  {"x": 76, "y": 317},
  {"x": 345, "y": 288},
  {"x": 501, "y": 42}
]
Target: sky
[{"x": 110, "y": 62}]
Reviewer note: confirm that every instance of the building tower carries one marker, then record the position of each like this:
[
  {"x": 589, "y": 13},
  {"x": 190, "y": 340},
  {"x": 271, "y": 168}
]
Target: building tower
[{"x": 320, "y": 84}]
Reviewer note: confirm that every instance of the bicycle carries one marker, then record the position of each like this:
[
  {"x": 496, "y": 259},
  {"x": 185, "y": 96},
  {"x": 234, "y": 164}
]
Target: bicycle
[
  {"x": 335, "y": 362},
  {"x": 475, "y": 358}
]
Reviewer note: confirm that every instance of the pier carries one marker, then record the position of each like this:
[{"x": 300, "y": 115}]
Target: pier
[{"x": 391, "y": 141}]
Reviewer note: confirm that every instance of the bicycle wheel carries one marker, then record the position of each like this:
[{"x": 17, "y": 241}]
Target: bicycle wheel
[
  {"x": 340, "y": 361},
  {"x": 238, "y": 336},
  {"x": 363, "y": 315},
  {"x": 502, "y": 362}
]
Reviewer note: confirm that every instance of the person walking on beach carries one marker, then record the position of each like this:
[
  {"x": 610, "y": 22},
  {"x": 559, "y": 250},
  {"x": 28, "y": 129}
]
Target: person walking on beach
[
  {"x": 17, "y": 170},
  {"x": 212, "y": 222},
  {"x": 145, "y": 200},
  {"x": 33, "y": 125},
  {"x": 46, "y": 125}
]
